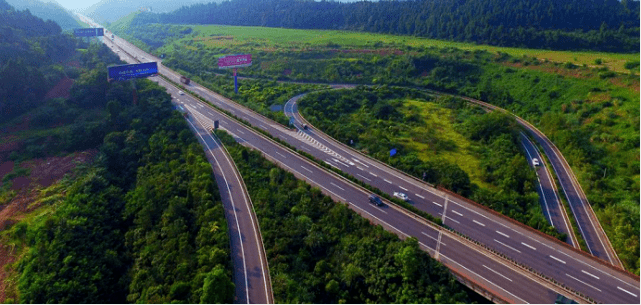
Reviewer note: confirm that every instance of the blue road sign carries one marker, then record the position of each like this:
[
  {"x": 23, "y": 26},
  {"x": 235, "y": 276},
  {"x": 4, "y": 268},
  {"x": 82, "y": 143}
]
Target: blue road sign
[
  {"x": 392, "y": 152},
  {"x": 125, "y": 72},
  {"x": 89, "y": 32}
]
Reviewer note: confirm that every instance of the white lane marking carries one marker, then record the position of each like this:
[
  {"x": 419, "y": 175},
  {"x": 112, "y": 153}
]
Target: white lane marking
[
  {"x": 419, "y": 196},
  {"x": 627, "y": 291},
  {"x": 363, "y": 177},
  {"x": 557, "y": 259},
  {"x": 478, "y": 223},
  {"x": 305, "y": 168},
  {"x": 242, "y": 247},
  {"x": 522, "y": 243},
  {"x": 332, "y": 183},
  {"x": 332, "y": 165},
  {"x": 380, "y": 209},
  {"x": 476, "y": 274},
  {"x": 359, "y": 161},
  {"x": 402, "y": 188},
  {"x": 454, "y": 220},
  {"x": 508, "y": 236},
  {"x": 434, "y": 238},
  {"x": 437, "y": 204},
  {"x": 263, "y": 126},
  {"x": 457, "y": 213},
  {"x": 582, "y": 282},
  {"x": 240, "y": 131},
  {"x": 505, "y": 277},
  {"x": 281, "y": 155},
  {"x": 590, "y": 274},
  {"x": 390, "y": 182},
  {"x": 359, "y": 167},
  {"x": 373, "y": 174},
  {"x": 507, "y": 246},
  {"x": 224, "y": 122}
]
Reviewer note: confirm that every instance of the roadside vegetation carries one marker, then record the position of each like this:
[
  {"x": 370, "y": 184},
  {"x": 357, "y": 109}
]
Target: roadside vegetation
[
  {"x": 323, "y": 252},
  {"x": 590, "y": 113},
  {"x": 143, "y": 223}
]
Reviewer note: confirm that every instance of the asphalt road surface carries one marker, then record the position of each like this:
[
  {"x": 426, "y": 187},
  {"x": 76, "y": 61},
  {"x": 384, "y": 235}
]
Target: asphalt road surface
[{"x": 553, "y": 259}]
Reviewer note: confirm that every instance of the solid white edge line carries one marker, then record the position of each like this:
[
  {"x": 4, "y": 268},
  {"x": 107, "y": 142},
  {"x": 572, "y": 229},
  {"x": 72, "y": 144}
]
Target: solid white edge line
[
  {"x": 507, "y": 246},
  {"x": 305, "y": 168},
  {"x": 522, "y": 300},
  {"x": 334, "y": 184},
  {"x": 582, "y": 282},
  {"x": 454, "y": 220},
  {"x": 242, "y": 247},
  {"x": 505, "y": 277},
  {"x": 363, "y": 177}
]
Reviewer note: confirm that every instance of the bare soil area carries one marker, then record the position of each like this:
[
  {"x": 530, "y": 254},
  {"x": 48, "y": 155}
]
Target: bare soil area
[{"x": 43, "y": 173}]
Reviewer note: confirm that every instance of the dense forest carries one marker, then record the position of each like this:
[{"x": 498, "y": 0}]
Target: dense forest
[
  {"x": 144, "y": 222},
  {"x": 602, "y": 25},
  {"x": 29, "y": 48},
  {"x": 321, "y": 252},
  {"x": 47, "y": 11}
]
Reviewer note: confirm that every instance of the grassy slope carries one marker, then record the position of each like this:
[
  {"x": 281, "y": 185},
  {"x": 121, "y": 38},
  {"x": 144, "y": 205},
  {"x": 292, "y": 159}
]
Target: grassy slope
[{"x": 302, "y": 38}]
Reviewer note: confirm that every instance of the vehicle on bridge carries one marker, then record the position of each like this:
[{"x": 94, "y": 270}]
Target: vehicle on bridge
[
  {"x": 375, "y": 200},
  {"x": 185, "y": 80},
  {"x": 401, "y": 196}
]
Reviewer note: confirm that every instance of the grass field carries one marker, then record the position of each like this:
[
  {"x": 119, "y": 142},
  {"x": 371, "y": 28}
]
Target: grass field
[
  {"x": 437, "y": 120},
  {"x": 297, "y": 39}
]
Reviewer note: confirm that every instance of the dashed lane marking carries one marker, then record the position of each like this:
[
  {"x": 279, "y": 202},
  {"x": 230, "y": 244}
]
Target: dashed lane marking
[
  {"x": 590, "y": 274},
  {"x": 437, "y": 204},
  {"x": 363, "y": 177},
  {"x": 454, "y": 220},
  {"x": 281, "y": 155},
  {"x": 562, "y": 261},
  {"x": 402, "y": 188},
  {"x": 373, "y": 174},
  {"x": 457, "y": 213},
  {"x": 390, "y": 182},
  {"x": 419, "y": 196},
  {"x": 332, "y": 183},
  {"x": 627, "y": 291},
  {"x": 522, "y": 243},
  {"x": 305, "y": 168},
  {"x": 508, "y": 236},
  {"x": 478, "y": 223}
]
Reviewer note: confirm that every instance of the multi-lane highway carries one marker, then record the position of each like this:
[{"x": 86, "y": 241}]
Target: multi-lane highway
[
  {"x": 550, "y": 202},
  {"x": 251, "y": 271},
  {"x": 555, "y": 260},
  {"x": 590, "y": 228}
]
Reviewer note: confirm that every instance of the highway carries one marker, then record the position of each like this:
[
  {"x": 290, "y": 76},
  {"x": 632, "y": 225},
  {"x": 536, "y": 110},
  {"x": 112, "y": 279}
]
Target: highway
[
  {"x": 551, "y": 204},
  {"x": 251, "y": 271},
  {"x": 590, "y": 228},
  {"x": 554, "y": 259}
]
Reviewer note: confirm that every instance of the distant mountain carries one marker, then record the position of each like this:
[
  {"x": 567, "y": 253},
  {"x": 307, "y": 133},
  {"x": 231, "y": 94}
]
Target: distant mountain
[
  {"x": 112, "y": 10},
  {"x": 47, "y": 11}
]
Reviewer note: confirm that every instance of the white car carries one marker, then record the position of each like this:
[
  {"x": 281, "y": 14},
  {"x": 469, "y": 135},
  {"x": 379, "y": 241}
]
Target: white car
[
  {"x": 181, "y": 93},
  {"x": 401, "y": 196},
  {"x": 535, "y": 162}
]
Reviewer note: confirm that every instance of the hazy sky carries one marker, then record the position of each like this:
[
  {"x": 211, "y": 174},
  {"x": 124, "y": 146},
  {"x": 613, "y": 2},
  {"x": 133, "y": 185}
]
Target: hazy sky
[{"x": 76, "y": 4}]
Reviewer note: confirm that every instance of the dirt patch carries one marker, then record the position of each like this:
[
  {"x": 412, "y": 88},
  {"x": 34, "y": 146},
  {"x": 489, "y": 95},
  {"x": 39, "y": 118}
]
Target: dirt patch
[
  {"x": 5, "y": 168},
  {"x": 23, "y": 125},
  {"x": 6, "y": 257},
  {"x": 61, "y": 89}
]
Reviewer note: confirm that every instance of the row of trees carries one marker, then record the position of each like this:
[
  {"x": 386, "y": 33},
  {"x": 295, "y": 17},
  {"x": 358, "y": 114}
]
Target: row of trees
[
  {"x": 609, "y": 25},
  {"x": 323, "y": 252},
  {"x": 144, "y": 223}
]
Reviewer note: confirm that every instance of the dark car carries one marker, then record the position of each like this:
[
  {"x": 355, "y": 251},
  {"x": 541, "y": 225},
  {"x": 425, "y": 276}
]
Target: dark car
[{"x": 375, "y": 200}]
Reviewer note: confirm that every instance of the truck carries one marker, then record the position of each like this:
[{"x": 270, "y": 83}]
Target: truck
[
  {"x": 185, "y": 80},
  {"x": 112, "y": 36}
]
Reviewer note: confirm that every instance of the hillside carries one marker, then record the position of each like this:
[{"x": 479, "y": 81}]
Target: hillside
[
  {"x": 47, "y": 11},
  {"x": 610, "y": 25},
  {"x": 112, "y": 10}
]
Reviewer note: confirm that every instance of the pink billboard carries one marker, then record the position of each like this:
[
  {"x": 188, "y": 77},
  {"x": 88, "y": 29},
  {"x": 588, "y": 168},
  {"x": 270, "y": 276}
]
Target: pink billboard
[{"x": 235, "y": 61}]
